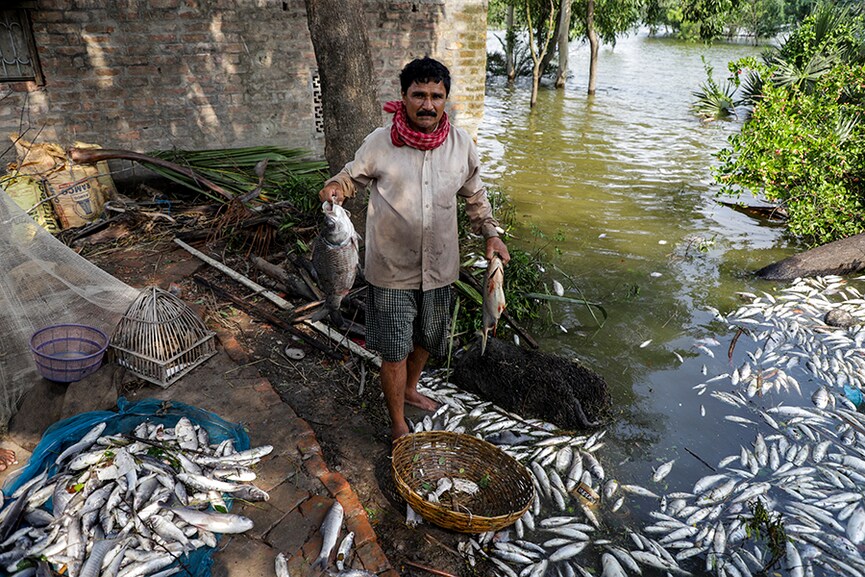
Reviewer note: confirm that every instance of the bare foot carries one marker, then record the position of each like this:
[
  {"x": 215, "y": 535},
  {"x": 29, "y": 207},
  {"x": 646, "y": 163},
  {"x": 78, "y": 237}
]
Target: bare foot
[
  {"x": 7, "y": 459},
  {"x": 398, "y": 430},
  {"x": 415, "y": 399}
]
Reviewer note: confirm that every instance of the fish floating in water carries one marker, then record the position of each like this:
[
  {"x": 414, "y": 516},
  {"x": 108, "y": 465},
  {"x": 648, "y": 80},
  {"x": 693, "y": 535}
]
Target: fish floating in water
[
  {"x": 126, "y": 504},
  {"x": 335, "y": 258},
  {"x": 805, "y": 465},
  {"x": 493, "y": 298}
]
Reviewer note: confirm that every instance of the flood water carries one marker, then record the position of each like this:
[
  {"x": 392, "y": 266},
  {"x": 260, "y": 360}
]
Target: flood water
[{"x": 620, "y": 186}]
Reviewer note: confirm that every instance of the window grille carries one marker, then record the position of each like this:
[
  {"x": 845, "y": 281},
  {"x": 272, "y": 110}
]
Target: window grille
[
  {"x": 18, "y": 58},
  {"x": 317, "y": 110}
]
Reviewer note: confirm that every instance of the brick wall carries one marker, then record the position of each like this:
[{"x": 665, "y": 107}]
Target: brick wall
[{"x": 146, "y": 75}]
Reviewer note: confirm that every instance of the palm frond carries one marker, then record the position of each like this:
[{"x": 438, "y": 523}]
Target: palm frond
[
  {"x": 751, "y": 90},
  {"x": 789, "y": 75},
  {"x": 288, "y": 175},
  {"x": 844, "y": 127}
]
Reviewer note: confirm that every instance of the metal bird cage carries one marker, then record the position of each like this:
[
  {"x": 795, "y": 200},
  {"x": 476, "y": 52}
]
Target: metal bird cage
[{"x": 160, "y": 338}]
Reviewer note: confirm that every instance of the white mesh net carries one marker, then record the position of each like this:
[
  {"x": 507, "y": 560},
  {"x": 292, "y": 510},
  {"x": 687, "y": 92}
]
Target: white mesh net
[{"x": 44, "y": 283}]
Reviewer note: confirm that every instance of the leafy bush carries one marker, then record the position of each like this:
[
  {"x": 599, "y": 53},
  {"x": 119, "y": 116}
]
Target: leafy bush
[{"x": 806, "y": 150}]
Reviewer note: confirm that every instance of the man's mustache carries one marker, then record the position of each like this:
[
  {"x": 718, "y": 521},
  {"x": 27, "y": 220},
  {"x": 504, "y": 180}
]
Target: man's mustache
[{"x": 426, "y": 113}]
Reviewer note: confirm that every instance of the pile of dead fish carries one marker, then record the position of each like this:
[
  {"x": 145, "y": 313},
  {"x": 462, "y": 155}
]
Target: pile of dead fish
[
  {"x": 805, "y": 467},
  {"x": 128, "y": 504}
]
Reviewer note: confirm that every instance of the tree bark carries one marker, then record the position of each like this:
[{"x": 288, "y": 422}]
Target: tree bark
[
  {"x": 538, "y": 53},
  {"x": 349, "y": 90},
  {"x": 510, "y": 41},
  {"x": 840, "y": 257},
  {"x": 593, "y": 46},
  {"x": 564, "y": 33}
]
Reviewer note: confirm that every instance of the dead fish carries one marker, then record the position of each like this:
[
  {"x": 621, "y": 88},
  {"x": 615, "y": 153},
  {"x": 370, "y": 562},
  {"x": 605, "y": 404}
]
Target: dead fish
[
  {"x": 344, "y": 550},
  {"x": 281, "y": 565},
  {"x": 329, "y": 532},
  {"x": 335, "y": 258},
  {"x": 663, "y": 471},
  {"x": 558, "y": 288},
  {"x": 494, "y": 298},
  {"x": 210, "y": 521}
]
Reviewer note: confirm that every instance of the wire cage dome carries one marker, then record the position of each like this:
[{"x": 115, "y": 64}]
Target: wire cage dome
[{"x": 160, "y": 338}]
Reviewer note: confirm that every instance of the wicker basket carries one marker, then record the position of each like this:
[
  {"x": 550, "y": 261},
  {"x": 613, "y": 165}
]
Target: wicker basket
[
  {"x": 160, "y": 339},
  {"x": 505, "y": 486}
]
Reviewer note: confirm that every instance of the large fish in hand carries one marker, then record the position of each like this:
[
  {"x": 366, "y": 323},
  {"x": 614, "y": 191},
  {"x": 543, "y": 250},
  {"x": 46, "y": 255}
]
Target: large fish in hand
[
  {"x": 335, "y": 258},
  {"x": 494, "y": 298}
]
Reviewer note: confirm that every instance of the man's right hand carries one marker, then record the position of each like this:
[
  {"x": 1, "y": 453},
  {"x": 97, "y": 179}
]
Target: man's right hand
[{"x": 332, "y": 192}]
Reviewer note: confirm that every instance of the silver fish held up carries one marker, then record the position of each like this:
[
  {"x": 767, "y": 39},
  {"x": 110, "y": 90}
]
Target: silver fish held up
[
  {"x": 335, "y": 258},
  {"x": 493, "y": 297}
]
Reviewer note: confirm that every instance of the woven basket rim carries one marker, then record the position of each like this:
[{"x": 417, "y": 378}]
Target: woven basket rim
[{"x": 444, "y": 516}]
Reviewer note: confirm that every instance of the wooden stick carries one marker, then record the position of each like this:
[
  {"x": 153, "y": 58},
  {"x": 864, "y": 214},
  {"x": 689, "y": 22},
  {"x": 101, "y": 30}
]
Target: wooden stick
[
  {"x": 428, "y": 569},
  {"x": 699, "y": 458},
  {"x": 279, "y": 274},
  {"x": 272, "y": 319},
  {"x": 733, "y": 344},
  {"x": 94, "y": 155},
  {"x": 283, "y": 304}
]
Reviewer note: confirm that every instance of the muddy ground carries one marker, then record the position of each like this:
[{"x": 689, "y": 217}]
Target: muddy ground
[{"x": 341, "y": 400}]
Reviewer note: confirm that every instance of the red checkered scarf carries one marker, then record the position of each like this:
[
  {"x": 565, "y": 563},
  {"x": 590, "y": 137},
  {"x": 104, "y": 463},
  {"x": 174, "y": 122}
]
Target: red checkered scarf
[{"x": 402, "y": 134}]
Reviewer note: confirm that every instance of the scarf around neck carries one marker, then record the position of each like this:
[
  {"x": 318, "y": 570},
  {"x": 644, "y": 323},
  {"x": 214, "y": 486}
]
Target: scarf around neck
[{"x": 402, "y": 134}]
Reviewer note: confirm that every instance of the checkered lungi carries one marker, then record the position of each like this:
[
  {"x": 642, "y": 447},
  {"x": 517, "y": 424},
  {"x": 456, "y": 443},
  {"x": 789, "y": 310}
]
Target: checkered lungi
[{"x": 396, "y": 319}]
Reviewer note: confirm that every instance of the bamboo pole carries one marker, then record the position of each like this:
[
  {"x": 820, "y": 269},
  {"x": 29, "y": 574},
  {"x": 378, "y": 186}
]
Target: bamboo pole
[{"x": 322, "y": 328}]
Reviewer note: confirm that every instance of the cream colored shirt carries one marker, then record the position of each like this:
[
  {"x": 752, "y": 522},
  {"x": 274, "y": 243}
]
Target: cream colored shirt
[{"x": 411, "y": 223}]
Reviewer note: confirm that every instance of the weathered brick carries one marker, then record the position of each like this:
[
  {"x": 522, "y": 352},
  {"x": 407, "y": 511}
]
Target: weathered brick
[{"x": 178, "y": 72}]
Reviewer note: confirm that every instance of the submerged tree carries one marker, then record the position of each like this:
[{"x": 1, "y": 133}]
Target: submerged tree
[
  {"x": 543, "y": 38},
  {"x": 551, "y": 24}
]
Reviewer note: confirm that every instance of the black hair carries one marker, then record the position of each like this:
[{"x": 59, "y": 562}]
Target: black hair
[{"x": 423, "y": 70}]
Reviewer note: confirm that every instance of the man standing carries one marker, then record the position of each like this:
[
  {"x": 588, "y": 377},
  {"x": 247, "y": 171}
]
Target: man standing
[{"x": 415, "y": 170}]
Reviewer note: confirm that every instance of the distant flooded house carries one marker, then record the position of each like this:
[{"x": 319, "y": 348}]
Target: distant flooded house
[{"x": 199, "y": 74}]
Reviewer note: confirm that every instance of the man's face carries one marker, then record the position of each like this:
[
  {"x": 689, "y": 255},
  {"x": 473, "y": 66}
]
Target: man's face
[{"x": 425, "y": 105}]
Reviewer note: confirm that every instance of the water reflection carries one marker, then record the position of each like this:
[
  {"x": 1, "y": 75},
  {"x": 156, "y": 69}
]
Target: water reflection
[{"x": 625, "y": 178}]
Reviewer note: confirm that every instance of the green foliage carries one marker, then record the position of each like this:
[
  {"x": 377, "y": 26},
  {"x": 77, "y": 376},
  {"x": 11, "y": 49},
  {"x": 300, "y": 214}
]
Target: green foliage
[
  {"x": 759, "y": 18},
  {"x": 288, "y": 175},
  {"x": 709, "y": 16},
  {"x": 806, "y": 150},
  {"x": 522, "y": 275},
  {"x": 496, "y": 64},
  {"x": 831, "y": 30},
  {"x": 766, "y": 527},
  {"x": 713, "y": 101},
  {"x": 612, "y": 18}
]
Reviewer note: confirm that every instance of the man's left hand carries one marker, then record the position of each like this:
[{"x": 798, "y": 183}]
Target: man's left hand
[{"x": 496, "y": 245}]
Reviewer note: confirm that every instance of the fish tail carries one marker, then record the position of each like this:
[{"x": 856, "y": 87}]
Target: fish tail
[
  {"x": 320, "y": 563},
  {"x": 484, "y": 336}
]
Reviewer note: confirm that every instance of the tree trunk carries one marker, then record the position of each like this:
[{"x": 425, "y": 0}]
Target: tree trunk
[
  {"x": 537, "y": 55},
  {"x": 536, "y": 80},
  {"x": 348, "y": 87},
  {"x": 564, "y": 32},
  {"x": 510, "y": 40},
  {"x": 840, "y": 257},
  {"x": 593, "y": 46},
  {"x": 554, "y": 38}
]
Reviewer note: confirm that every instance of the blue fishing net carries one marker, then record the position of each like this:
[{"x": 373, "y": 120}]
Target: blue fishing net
[{"x": 128, "y": 416}]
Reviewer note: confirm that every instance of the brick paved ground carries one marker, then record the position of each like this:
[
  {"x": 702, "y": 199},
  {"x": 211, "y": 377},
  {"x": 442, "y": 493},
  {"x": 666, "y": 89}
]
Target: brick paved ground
[{"x": 301, "y": 485}]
